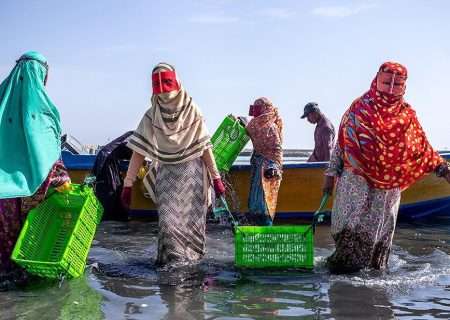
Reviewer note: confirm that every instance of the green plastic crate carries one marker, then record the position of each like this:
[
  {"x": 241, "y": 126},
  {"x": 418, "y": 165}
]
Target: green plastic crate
[
  {"x": 57, "y": 234},
  {"x": 228, "y": 141},
  {"x": 275, "y": 246}
]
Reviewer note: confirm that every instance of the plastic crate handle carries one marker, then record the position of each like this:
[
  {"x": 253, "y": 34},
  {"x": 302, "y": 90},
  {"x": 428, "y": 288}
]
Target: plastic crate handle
[
  {"x": 234, "y": 131},
  {"x": 90, "y": 181},
  {"x": 224, "y": 209},
  {"x": 318, "y": 215}
]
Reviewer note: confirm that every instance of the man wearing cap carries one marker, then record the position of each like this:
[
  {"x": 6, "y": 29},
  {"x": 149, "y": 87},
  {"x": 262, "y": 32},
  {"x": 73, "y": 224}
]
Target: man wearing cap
[{"x": 323, "y": 134}]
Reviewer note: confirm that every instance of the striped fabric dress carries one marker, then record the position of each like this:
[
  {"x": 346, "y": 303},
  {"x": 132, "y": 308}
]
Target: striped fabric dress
[
  {"x": 182, "y": 211},
  {"x": 173, "y": 134}
]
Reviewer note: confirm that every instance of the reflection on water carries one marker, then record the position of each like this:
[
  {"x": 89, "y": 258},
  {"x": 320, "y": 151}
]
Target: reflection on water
[{"x": 121, "y": 282}]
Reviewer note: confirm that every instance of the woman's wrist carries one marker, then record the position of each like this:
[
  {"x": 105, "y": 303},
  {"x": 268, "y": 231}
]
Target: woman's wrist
[
  {"x": 128, "y": 182},
  {"x": 215, "y": 175},
  {"x": 442, "y": 170}
]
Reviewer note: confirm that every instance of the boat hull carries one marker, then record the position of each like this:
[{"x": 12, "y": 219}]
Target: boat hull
[{"x": 300, "y": 191}]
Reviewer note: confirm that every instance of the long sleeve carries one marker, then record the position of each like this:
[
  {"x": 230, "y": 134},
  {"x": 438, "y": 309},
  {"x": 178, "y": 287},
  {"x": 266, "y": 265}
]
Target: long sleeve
[
  {"x": 431, "y": 165},
  {"x": 135, "y": 163},
  {"x": 336, "y": 164},
  {"x": 210, "y": 163}
]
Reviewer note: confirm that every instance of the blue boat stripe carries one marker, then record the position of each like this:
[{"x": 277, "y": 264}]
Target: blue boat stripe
[
  {"x": 86, "y": 162},
  {"x": 416, "y": 210}
]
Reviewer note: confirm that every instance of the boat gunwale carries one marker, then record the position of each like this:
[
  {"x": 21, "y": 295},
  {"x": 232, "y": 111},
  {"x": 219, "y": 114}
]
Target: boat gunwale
[{"x": 86, "y": 162}]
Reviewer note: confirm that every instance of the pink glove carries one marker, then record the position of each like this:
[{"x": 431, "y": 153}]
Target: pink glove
[
  {"x": 219, "y": 188},
  {"x": 125, "y": 197}
]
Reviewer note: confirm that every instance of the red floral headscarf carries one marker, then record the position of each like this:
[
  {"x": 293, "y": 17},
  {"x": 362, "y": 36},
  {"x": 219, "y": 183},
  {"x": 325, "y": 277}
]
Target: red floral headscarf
[
  {"x": 382, "y": 139},
  {"x": 266, "y": 131}
]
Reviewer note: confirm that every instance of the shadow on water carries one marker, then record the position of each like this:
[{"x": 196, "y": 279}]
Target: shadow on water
[{"x": 121, "y": 282}]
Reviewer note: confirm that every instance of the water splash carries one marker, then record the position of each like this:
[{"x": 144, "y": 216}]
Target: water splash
[{"x": 406, "y": 272}]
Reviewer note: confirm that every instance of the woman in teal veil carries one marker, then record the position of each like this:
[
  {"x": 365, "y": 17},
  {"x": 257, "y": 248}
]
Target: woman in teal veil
[{"x": 30, "y": 150}]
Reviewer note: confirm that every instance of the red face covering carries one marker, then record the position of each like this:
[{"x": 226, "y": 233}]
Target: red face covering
[
  {"x": 255, "y": 110},
  {"x": 389, "y": 85},
  {"x": 164, "y": 82}
]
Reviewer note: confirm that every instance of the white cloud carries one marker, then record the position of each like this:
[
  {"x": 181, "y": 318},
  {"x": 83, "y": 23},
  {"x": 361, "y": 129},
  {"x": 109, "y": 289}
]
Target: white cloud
[
  {"x": 342, "y": 11},
  {"x": 213, "y": 19},
  {"x": 279, "y": 13}
]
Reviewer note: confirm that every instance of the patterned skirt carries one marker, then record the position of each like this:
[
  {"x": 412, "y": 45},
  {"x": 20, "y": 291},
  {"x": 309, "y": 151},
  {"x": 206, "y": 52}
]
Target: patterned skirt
[
  {"x": 182, "y": 207},
  {"x": 13, "y": 213},
  {"x": 362, "y": 224},
  {"x": 263, "y": 196},
  {"x": 11, "y": 219}
]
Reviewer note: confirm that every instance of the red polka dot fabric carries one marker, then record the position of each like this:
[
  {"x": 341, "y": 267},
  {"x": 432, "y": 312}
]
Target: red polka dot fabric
[{"x": 382, "y": 139}]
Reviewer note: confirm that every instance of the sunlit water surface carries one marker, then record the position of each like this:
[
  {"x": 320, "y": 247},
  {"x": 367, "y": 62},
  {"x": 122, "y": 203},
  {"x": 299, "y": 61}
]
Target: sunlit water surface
[{"x": 121, "y": 282}]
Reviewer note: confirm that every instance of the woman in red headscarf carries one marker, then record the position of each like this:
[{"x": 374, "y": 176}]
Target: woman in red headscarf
[
  {"x": 266, "y": 133},
  {"x": 381, "y": 151}
]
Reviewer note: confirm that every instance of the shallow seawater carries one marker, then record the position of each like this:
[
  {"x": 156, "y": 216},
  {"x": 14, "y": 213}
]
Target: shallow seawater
[{"x": 121, "y": 282}]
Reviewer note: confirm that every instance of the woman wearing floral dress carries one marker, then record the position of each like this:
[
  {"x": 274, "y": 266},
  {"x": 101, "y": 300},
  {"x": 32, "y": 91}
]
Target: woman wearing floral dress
[
  {"x": 381, "y": 151},
  {"x": 266, "y": 132}
]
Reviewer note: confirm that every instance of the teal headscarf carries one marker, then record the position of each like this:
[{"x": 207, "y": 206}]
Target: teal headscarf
[{"x": 30, "y": 128}]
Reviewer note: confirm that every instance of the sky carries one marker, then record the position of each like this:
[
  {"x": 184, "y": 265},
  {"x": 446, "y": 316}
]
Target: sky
[{"x": 228, "y": 53}]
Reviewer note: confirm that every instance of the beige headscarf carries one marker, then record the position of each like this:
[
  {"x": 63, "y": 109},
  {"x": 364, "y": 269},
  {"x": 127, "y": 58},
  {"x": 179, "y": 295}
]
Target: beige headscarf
[{"x": 172, "y": 131}]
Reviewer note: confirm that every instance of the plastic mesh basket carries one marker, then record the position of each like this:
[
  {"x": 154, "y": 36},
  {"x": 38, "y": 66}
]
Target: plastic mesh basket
[
  {"x": 57, "y": 235},
  {"x": 271, "y": 247},
  {"x": 228, "y": 141}
]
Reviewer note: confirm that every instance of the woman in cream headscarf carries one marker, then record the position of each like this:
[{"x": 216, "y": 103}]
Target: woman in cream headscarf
[{"x": 173, "y": 135}]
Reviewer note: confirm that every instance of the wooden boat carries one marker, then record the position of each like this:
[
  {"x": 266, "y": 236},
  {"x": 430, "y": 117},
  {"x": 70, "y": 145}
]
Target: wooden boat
[{"x": 300, "y": 191}]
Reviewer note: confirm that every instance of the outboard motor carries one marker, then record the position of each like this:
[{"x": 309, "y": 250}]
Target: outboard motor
[{"x": 109, "y": 181}]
